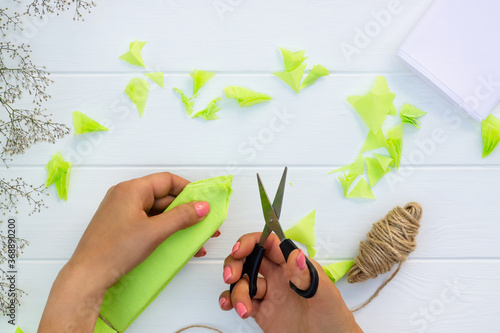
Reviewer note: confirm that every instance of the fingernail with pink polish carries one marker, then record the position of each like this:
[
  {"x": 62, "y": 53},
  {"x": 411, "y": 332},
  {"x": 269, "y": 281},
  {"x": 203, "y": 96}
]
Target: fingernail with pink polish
[
  {"x": 217, "y": 233},
  {"x": 222, "y": 301},
  {"x": 227, "y": 273},
  {"x": 202, "y": 208},
  {"x": 203, "y": 252},
  {"x": 241, "y": 309},
  {"x": 301, "y": 260},
  {"x": 235, "y": 248}
]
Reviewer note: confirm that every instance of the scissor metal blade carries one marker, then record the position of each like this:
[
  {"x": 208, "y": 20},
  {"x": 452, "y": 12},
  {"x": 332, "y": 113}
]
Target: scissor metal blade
[
  {"x": 270, "y": 217},
  {"x": 278, "y": 198}
]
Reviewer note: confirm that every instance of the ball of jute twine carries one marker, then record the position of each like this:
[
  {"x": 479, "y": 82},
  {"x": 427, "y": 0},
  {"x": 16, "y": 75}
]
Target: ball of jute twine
[
  {"x": 198, "y": 326},
  {"x": 389, "y": 242}
]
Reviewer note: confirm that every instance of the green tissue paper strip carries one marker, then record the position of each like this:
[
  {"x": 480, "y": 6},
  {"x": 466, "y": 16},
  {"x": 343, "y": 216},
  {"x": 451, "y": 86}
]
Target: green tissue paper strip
[
  {"x": 409, "y": 115},
  {"x": 361, "y": 190},
  {"x": 316, "y": 72},
  {"x": 292, "y": 60},
  {"x": 209, "y": 113},
  {"x": 244, "y": 96},
  {"x": 59, "y": 171},
  {"x": 132, "y": 294},
  {"x": 133, "y": 56},
  {"x": 374, "y": 141},
  {"x": 292, "y": 78},
  {"x": 200, "y": 78},
  {"x": 337, "y": 270},
  {"x": 84, "y": 124},
  {"x": 188, "y": 102},
  {"x": 157, "y": 77},
  {"x": 303, "y": 231},
  {"x": 102, "y": 327},
  {"x": 137, "y": 90},
  {"x": 395, "y": 143},
  {"x": 490, "y": 128},
  {"x": 18, "y": 330}
]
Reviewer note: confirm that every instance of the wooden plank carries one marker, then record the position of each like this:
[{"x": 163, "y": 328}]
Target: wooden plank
[{"x": 460, "y": 208}]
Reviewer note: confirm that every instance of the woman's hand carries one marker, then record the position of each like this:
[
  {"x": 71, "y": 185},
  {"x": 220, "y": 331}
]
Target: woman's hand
[
  {"x": 276, "y": 307},
  {"x": 127, "y": 227}
]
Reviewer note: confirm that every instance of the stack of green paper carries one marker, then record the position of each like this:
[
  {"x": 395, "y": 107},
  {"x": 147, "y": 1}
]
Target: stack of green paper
[
  {"x": 294, "y": 70},
  {"x": 132, "y": 294},
  {"x": 58, "y": 173}
]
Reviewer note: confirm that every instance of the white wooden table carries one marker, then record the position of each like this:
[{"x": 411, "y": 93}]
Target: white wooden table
[{"x": 449, "y": 284}]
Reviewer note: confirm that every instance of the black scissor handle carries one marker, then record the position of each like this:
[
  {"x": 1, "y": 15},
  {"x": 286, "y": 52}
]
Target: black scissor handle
[
  {"x": 251, "y": 268},
  {"x": 287, "y": 246}
]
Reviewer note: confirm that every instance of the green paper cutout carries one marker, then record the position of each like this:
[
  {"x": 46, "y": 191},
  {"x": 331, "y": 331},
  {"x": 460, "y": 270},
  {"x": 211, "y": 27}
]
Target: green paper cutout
[
  {"x": 384, "y": 161},
  {"x": 59, "y": 171},
  {"x": 132, "y": 294},
  {"x": 409, "y": 115},
  {"x": 293, "y": 77},
  {"x": 157, "y": 77},
  {"x": 303, "y": 231},
  {"x": 490, "y": 130},
  {"x": 316, "y": 72},
  {"x": 290, "y": 184},
  {"x": 292, "y": 60},
  {"x": 375, "y": 170},
  {"x": 84, "y": 124},
  {"x": 346, "y": 183},
  {"x": 133, "y": 56},
  {"x": 337, "y": 270},
  {"x": 357, "y": 168},
  {"x": 361, "y": 190},
  {"x": 200, "y": 78},
  {"x": 344, "y": 168},
  {"x": 311, "y": 251},
  {"x": 188, "y": 102},
  {"x": 244, "y": 96},
  {"x": 395, "y": 143},
  {"x": 374, "y": 141},
  {"x": 209, "y": 113},
  {"x": 384, "y": 95},
  {"x": 137, "y": 90},
  {"x": 18, "y": 330}
]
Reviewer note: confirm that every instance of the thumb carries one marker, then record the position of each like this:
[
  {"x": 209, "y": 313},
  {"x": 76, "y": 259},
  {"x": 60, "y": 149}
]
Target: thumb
[
  {"x": 297, "y": 270},
  {"x": 178, "y": 218}
]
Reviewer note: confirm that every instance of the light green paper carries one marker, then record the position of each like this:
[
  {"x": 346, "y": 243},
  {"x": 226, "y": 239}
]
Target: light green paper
[
  {"x": 357, "y": 168},
  {"x": 292, "y": 60},
  {"x": 374, "y": 141},
  {"x": 84, "y": 124},
  {"x": 188, "y": 102},
  {"x": 132, "y": 294},
  {"x": 133, "y": 56},
  {"x": 209, "y": 113},
  {"x": 293, "y": 77},
  {"x": 59, "y": 172},
  {"x": 344, "y": 168},
  {"x": 395, "y": 143},
  {"x": 18, "y": 330},
  {"x": 303, "y": 231},
  {"x": 316, "y": 72},
  {"x": 374, "y": 170},
  {"x": 346, "y": 183},
  {"x": 311, "y": 251},
  {"x": 244, "y": 96},
  {"x": 384, "y": 161},
  {"x": 200, "y": 78},
  {"x": 365, "y": 106},
  {"x": 361, "y": 190},
  {"x": 337, "y": 270},
  {"x": 490, "y": 130},
  {"x": 137, "y": 90},
  {"x": 157, "y": 77},
  {"x": 409, "y": 115},
  {"x": 384, "y": 96}
]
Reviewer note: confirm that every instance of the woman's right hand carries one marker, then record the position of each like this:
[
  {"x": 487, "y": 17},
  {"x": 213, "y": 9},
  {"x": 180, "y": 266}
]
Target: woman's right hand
[{"x": 276, "y": 307}]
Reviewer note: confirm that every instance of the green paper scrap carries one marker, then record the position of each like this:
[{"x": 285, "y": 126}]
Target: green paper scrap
[
  {"x": 311, "y": 251},
  {"x": 490, "y": 130},
  {"x": 361, "y": 190},
  {"x": 292, "y": 78},
  {"x": 384, "y": 95},
  {"x": 374, "y": 141},
  {"x": 316, "y": 72},
  {"x": 337, "y": 270},
  {"x": 132, "y": 294},
  {"x": 84, "y": 124},
  {"x": 209, "y": 113},
  {"x": 291, "y": 59},
  {"x": 384, "y": 161},
  {"x": 133, "y": 56},
  {"x": 188, "y": 102},
  {"x": 244, "y": 96},
  {"x": 303, "y": 231},
  {"x": 375, "y": 170},
  {"x": 18, "y": 330},
  {"x": 409, "y": 115},
  {"x": 290, "y": 184},
  {"x": 357, "y": 168},
  {"x": 137, "y": 90},
  {"x": 157, "y": 77},
  {"x": 395, "y": 143},
  {"x": 59, "y": 171},
  {"x": 346, "y": 183},
  {"x": 103, "y": 327},
  {"x": 200, "y": 78},
  {"x": 344, "y": 168}
]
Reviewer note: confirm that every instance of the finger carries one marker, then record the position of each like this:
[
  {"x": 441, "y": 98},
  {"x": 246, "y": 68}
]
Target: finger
[
  {"x": 225, "y": 300},
  {"x": 240, "y": 299},
  {"x": 232, "y": 269},
  {"x": 201, "y": 253},
  {"x": 297, "y": 270},
  {"x": 180, "y": 217},
  {"x": 162, "y": 203},
  {"x": 246, "y": 243},
  {"x": 226, "y": 304},
  {"x": 217, "y": 233}
]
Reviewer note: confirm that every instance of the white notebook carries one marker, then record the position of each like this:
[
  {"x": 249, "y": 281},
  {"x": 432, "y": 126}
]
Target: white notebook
[{"x": 455, "y": 47}]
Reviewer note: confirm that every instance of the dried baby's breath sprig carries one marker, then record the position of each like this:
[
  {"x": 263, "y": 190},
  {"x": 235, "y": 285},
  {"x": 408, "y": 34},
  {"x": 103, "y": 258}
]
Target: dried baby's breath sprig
[
  {"x": 5, "y": 289},
  {"x": 11, "y": 192},
  {"x": 9, "y": 21},
  {"x": 44, "y": 7}
]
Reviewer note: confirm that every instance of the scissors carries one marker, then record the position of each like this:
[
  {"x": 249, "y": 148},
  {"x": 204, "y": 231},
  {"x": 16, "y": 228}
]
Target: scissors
[{"x": 271, "y": 217}]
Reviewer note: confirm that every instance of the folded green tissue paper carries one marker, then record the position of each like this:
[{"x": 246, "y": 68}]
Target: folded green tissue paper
[{"x": 126, "y": 300}]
